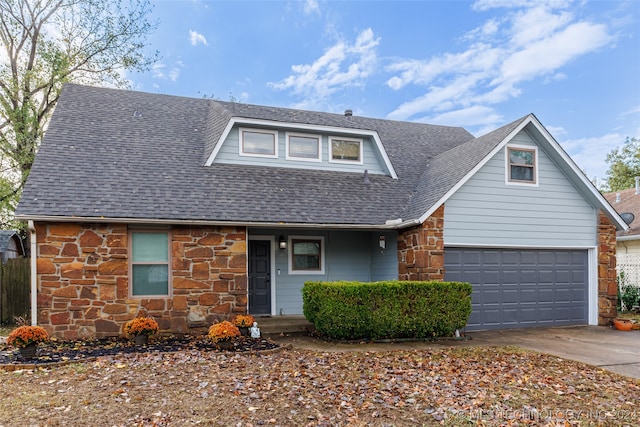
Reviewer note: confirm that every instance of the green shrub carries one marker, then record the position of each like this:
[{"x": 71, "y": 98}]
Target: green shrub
[
  {"x": 393, "y": 309},
  {"x": 628, "y": 294}
]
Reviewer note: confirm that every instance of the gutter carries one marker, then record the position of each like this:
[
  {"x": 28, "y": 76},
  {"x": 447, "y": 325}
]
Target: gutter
[
  {"x": 34, "y": 274},
  {"x": 627, "y": 238},
  {"x": 389, "y": 225}
]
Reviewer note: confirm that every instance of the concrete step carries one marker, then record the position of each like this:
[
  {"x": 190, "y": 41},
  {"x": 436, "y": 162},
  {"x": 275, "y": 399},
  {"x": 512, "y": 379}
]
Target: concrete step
[{"x": 288, "y": 325}]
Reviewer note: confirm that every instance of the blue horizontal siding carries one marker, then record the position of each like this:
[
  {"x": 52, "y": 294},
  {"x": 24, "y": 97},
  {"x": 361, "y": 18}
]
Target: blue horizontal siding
[
  {"x": 487, "y": 211},
  {"x": 372, "y": 161},
  {"x": 349, "y": 255}
]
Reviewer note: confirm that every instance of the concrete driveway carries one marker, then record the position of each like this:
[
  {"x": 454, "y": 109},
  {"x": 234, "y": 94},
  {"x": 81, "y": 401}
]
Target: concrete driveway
[
  {"x": 607, "y": 348},
  {"x": 601, "y": 346}
]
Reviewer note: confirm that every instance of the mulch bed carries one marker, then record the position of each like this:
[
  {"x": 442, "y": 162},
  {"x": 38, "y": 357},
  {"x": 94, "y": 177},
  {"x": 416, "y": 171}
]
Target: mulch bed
[{"x": 56, "y": 351}]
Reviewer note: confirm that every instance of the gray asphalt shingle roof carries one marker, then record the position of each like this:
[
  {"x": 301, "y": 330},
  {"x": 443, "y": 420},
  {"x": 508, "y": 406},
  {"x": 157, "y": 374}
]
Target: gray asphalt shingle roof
[{"x": 132, "y": 155}]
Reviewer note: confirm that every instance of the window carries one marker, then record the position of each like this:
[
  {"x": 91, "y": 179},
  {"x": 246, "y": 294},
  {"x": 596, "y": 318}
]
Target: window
[
  {"x": 306, "y": 255},
  {"x": 522, "y": 165},
  {"x": 303, "y": 147},
  {"x": 261, "y": 143},
  {"x": 149, "y": 263},
  {"x": 345, "y": 150}
]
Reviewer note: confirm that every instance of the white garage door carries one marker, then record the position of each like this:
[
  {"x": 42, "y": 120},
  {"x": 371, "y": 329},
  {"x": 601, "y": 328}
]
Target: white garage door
[{"x": 522, "y": 288}]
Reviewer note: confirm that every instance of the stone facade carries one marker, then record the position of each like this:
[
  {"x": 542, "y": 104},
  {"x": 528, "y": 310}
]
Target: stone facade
[
  {"x": 83, "y": 279},
  {"x": 421, "y": 257},
  {"x": 421, "y": 250},
  {"x": 607, "y": 280}
]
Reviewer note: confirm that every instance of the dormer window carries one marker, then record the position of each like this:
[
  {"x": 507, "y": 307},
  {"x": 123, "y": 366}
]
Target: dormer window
[
  {"x": 259, "y": 143},
  {"x": 345, "y": 150},
  {"x": 522, "y": 165},
  {"x": 303, "y": 147}
]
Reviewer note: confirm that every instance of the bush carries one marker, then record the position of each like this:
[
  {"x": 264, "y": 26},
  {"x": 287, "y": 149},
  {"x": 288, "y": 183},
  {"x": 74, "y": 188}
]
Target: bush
[
  {"x": 628, "y": 294},
  {"x": 393, "y": 309},
  {"x": 629, "y": 297}
]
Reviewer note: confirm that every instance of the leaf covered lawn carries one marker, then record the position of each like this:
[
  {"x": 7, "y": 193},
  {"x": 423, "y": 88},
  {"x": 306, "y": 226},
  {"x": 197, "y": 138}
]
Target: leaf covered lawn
[{"x": 455, "y": 387}]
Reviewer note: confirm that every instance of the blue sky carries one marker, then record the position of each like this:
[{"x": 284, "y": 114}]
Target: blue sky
[{"x": 477, "y": 64}]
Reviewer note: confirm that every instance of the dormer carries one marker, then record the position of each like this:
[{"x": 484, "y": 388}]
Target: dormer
[{"x": 259, "y": 142}]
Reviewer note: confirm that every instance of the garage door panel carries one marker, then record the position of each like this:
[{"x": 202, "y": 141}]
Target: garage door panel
[
  {"x": 522, "y": 288},
  {"x": 528, "y": 315},
  {"x": 528, "y": 296},
  {"x": 510, "y": 296}
]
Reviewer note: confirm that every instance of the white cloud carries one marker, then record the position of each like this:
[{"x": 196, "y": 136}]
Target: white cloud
[
  {"x": 556, "y": 130},
  {"x": 477, "y": 116},
  {"x": 590, "y": 153},
  {"x": 311, "y": 6},
  {"x": 160, "y": 71},
  {"x": 342, "y": 65},
  {"x": 551, "y": 53},
  {"x": 532, "y": 40},
  {"x": 196, "y": 38}
]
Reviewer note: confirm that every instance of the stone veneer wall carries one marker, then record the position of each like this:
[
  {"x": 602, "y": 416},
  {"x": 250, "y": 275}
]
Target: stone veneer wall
[
  {"x": 421, "y": 250},
  {"x": 83, "y": 285},
  {"x": 607, "y": 280},
  {"x": 421, "y": 257}
]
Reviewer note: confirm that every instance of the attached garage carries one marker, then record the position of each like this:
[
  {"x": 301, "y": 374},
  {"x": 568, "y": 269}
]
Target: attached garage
[{"x": 517, "y": 288}]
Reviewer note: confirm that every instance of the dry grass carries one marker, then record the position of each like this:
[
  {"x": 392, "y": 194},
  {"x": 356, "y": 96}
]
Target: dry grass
[
  {"x": 455, "y": 387},
  {"x": 629, "y": 315}
]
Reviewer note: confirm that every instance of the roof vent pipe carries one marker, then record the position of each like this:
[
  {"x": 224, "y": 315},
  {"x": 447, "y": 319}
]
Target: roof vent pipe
[
  {"x": 617, "y": 197},
  {"x": 637, "y": 185},
  {"x": 366, "y": 179},
  {"x": 348, "y": 113}
]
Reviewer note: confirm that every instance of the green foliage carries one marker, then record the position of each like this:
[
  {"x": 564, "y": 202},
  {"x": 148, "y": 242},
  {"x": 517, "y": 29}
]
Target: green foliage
[
  {"x": 393, "y": 309},
  {"x": 51, "y": 42},
  {"x": 628, "y": 294},
  {"x": 624, "y": 165}
]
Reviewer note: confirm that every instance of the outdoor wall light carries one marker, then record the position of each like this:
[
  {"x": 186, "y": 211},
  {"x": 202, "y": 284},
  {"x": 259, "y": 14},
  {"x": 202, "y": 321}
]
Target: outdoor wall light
[
  {"x": 282, "y": 243},
  {"x": 383, "y": 242}
]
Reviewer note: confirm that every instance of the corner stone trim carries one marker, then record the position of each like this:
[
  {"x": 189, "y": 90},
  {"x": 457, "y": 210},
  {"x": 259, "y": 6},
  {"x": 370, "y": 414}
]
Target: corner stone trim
[
  {"x": 607, "y": 276},
  {"x": 421, "y": 250},
  {"x": 83, "y": 282}
]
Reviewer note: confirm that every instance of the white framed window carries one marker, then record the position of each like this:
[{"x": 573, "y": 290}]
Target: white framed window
[
  {"x": 149, "y": 264},
  {"x": 521, "y": 165},
  {"x": 345, "y": 150},
  {"x": 303, "y": 147},
  {"x": 306, "y": 255},
  {"x": 258, "y": 142}
]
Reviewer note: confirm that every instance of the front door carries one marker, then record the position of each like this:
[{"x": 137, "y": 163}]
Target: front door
[{"x": 259, "y": 277}]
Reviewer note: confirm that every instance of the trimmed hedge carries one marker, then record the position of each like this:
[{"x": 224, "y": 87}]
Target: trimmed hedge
[{"x": 392, "y": 309}]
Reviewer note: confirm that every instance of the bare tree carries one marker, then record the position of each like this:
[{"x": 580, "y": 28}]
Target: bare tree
[{"x": 46, "y": 43}]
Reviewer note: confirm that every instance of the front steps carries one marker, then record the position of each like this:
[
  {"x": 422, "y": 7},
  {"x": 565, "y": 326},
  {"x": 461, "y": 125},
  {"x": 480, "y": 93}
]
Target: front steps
[{"x": 284, "y": 325}]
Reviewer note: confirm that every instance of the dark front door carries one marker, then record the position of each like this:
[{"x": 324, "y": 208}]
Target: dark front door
[{"x": 259, "y": 277}]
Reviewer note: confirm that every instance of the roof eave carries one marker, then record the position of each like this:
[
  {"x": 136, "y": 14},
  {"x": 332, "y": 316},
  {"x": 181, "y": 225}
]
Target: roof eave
[
  {"x": 158, "y": 221},
  {"x": 532, "y": 120}
]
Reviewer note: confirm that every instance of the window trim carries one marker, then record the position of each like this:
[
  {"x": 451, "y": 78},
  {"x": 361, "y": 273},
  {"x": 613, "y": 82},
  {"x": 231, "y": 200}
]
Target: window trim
[
  {"x": 343, "y": 138},
  {"x": 256, "y": 130},
  {"x": 291, "y": 239},
  {"x": 168, "y": 263},
  {"x": 507, "y": 159},
  {"x": 288, "y": 156}
]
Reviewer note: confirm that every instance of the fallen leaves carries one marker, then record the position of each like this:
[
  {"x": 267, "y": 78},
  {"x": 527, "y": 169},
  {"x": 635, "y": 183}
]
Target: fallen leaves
[{"x": 465, "y": 386}]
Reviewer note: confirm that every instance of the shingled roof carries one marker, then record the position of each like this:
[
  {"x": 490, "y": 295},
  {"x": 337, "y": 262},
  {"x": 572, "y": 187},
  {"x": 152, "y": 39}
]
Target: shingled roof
[
  {"x": 123, "y": 155},
  {"x": 627, "y": 201}
]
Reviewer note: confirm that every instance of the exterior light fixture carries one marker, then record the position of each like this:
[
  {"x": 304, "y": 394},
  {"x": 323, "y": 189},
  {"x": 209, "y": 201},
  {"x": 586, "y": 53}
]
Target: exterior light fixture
[
  {"x": 283, "y": 243},
  {"x": 383, "y": 242}
]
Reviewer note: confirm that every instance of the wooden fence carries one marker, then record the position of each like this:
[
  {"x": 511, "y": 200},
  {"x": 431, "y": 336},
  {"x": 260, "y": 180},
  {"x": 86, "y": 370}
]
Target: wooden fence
[{"x": 14, "y": 289}]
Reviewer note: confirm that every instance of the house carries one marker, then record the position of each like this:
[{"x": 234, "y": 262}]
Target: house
[
  {"x": 10, "y": 245},
  {"x": 627, "y": 204},
  {"x": 191, "y": 209}
]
